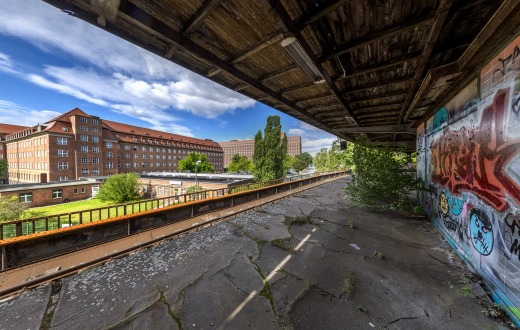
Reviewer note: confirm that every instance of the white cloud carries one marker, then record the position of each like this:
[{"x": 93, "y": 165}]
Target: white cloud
[
  {"x": 116, "y": 72},
  {"x": 314, "y": 146},
  {"x": 296, "y": 131},
  {"x": 12, "y": 113}
]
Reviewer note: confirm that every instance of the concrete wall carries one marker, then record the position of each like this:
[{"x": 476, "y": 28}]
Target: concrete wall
[{"x": 469, "y": 160}]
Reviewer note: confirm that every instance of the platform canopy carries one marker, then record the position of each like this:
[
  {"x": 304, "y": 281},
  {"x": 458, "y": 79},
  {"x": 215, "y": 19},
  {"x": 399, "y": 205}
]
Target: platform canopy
[{"x": 350, "y": 67}]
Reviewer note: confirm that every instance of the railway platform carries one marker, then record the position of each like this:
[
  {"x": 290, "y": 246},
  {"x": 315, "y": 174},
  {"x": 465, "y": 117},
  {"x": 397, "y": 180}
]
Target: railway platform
[{"x": 310, "y": 261}]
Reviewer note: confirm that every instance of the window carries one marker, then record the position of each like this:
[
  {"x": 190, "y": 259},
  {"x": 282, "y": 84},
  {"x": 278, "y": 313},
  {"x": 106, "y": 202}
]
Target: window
[
  {"x": 83, "y": 190},
  {"x": 108, "y": 145},
  {"x": 95, "y": 139},
  {"x": 95, "y": 121},
  {"x": 110, "y": 154},
  {"x": 95, "y": 160},
  {"x": 84, "y": 171},
  {"x": 144, "y": 156},
  {"x": 63, "y": 165},
  {"x": 143, "y": 148},
  {"x": 83, "y": 128},
  {"x": 158, "y": 164},
  {"x": 57, "y": 193},
  {"x": 126, "y": 147},
  {"x": 95, "y": 129},
  {"x": 95, "y": 150},
  {"x": 136, "y": 156},
  {"x": 62, "y": 141},
  {"x": 84, "y": 148},
  {"x": 127, "y": 156},
  {"x": 25, "y": 198},
  {"x": 110, "y": 165},
  {"x": 83, "y": 138},
  {"x": 83, "y": 119},
  {"x": 75, "y": 190},
  {"x": 127, "y": 164},
  {"x": 150, "y": 149},
  {"x": 84, "y": 160},
  {"x": 62, "y": 153},
  {"x": 63, "y": 178},
  {"x": 157, "y": 149},
  {"x": 136, "y": 164},
  {"x": 95, "y": 171}
]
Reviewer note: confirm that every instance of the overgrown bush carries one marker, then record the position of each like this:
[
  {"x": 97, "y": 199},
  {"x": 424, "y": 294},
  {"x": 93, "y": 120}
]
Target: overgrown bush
[
  {"x": 120, "y": 188},
  {"x": 382, "y": 177}
]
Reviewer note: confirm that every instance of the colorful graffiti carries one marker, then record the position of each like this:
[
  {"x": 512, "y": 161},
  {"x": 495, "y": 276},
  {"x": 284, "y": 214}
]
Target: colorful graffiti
[
  {"x": 470, "y": 161},
  {"x": 474, "y": 159}
]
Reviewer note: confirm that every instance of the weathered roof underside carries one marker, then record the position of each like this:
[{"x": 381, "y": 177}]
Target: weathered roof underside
[{"x": 377, "y": 60}]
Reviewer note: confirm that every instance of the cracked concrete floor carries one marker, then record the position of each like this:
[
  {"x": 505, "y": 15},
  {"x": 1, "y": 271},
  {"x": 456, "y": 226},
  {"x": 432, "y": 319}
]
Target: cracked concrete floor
[{"x": 310, "y": 261}]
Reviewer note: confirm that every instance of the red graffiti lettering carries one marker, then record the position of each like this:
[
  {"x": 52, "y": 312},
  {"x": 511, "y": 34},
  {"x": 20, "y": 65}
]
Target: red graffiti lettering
[{"x": 474, "y": 159}]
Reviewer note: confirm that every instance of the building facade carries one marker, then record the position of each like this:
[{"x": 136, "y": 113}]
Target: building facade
[
  {"x": 77, "y": 145},
  {"x": 246, "y": 147}
]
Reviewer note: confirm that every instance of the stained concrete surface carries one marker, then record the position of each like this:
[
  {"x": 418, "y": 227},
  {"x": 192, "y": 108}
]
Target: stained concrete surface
[{"x": 352, "y": 269}]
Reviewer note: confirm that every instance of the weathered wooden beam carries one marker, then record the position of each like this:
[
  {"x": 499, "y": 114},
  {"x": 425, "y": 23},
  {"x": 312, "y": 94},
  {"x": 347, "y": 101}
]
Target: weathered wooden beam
[
  {"x": 387, "y": 106},
  {"x": 400, "y": 129},
  {"x": 279, "y": 73},
  {"x": 295, "y": 88},
  {"x": 314, "y": 98},
  {"x": 323, "y": 108},
  {"x": 319, "y": 12},
  {"x": 253, "y": 49},
  {"x": 435, "y": 31},
  {"x": 399, "y": 144},
  {"x": 289, "y": 27},
  {"x": 385, "y": 114},
  {"x": 431, "y": 77},
  {"x": 378, "y": 35},
  {"x": 376, "y": 84},
  {"x": 379, "y": 97},
  {"x": 198, "y": 18},
  {"x": 383, "y": 65}
]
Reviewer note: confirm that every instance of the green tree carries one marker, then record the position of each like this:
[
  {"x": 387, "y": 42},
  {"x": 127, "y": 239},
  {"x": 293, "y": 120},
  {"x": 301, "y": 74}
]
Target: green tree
[
  {"x": 381, "y": 178},
  {"x": 269, "y": 151},
  {"x": 3, "y": 168},
  {"x": 120, "y": 188},
  {"x": 240, "y": 163},
  {"x": 335, "y": 158},
  {"x": 299, "y": 165},
  {"x": 194, "y": 188},
  {"x": 190, "y": 163},
  {"x": 306, "y": 157},
  {"x": 11, "y": 208},
  {"x": 288, "y": 162}
]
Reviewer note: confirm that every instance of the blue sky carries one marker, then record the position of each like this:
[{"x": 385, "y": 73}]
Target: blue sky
[{"x": 51, "y": 63}]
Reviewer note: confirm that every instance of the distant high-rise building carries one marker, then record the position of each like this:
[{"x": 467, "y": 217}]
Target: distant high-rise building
[
  {"x": 76, "y": 145},
  {"x": 246, "y": 147}
]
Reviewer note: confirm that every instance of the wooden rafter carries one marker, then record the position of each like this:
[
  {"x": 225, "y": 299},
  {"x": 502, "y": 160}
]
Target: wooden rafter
[
  {"x": 379, "y": 97},
  {"x": 314, "y": 98},
  {"x": 440, "y": 17},
  {"x": 376, "y": 108},
  {"x": 379, "y": 115},
  {"x": 376, "y": 84},
  {"x": 400, "y": 129},
  {"x": 279, "y": 73},
  {"x": 383, "y": 65},
  {"x": 203, "y": 12},
  {"x": 319, "y": 12},
  {"x": 378, "y": 35},
  {"x": 289, "y": 27}
]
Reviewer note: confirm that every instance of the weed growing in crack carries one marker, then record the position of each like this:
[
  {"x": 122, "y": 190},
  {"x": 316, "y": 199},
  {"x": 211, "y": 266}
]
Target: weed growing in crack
[
  {"x": 378, "y": 254},
  {"x": 284, "y": 244},
  {"x": 298, "y": 220},
  {"x": 349, "y": 283},
  {"x": 466, "y": 287},
  {"x": 350, "y": 223},
  {"x": 362, "y": 308}
]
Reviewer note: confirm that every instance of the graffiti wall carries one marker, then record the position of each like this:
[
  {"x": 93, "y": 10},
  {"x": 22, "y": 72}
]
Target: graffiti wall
[{"x": 469, "y": 162}]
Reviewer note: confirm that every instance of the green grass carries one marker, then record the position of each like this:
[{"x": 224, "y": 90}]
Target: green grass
[{"x": 109, "y": 210}]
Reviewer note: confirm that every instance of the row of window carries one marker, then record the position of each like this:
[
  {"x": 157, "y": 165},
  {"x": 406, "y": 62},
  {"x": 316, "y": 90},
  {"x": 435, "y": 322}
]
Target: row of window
[
  {"x": 27, "y": 143},
  {"x": 85, "y": 120},
  {"x": 27, "y": 154},
  {"x": 56, "y": 193},
  {"x": 85, "y": 129}
]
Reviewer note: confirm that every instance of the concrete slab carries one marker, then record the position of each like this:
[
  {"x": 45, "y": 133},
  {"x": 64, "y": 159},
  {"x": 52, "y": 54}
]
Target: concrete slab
[
  {"x": 25, "y": 311},
  {"x": 335, "y": 266}
]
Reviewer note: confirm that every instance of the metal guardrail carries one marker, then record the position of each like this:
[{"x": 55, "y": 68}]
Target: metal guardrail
[
  {"x": 20, "y": 251},
  {"x": 52, "y": 222}
]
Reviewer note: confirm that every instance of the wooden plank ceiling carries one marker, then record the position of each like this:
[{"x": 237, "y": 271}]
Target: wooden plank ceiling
[{"x": 377, "y": 60}]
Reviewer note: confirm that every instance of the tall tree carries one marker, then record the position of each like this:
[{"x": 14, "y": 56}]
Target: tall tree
[
  {"x": 305, "y": 157},
  {"x": 190, "y": 163},
  {"x": 269, "y": 151},
  {"x": 239, "y": 163},
  {"x": 3, "y": 168}
]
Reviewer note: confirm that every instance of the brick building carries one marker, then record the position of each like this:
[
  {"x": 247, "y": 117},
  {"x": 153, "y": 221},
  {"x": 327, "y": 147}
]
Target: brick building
[
  {"x": 77, "y": 145},
  {"x": 246, "y": 147}
]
